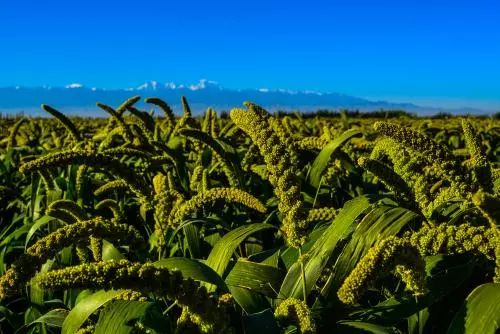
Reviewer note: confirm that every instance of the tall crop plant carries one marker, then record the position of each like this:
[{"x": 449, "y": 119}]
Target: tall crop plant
[{"x": 248, "y": 222}]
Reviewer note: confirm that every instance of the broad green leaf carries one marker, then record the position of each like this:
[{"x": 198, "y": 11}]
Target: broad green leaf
[
  {"x": 36, "y": 292},
  {"x": 224, "y": 248},
  {"x": 358, "y": 327},
  {"x": 110, "y": 252},
  {"x": 192, "y": 239},
  {"x": 79, "y": 314},
  {"x": 118, "y": 316},
  {"x": 418, "y": 321},
  {"x": 42, "y": 221},
  {"x": 444, "y": 275},
  {"x": 321, "y": 162},
  {"x": 31, "y": 314},
  {"x": 289, "y": 255},
  {"x": 82, "y": 295},
  {"x": 15, "y": 234},
  {"x": 53, "y": 318},
  {"x": 319, "y": 254},
  {"x": 54, "y": 195},
  {"x": 480, "y": 312},
  {"x": 193, "y": 269},
  {"x": 255, "y": 276},
  {"x": 270, "y": 257},
  {"x": 381, "y": 222},
  {"x": 249, "y": 301}
]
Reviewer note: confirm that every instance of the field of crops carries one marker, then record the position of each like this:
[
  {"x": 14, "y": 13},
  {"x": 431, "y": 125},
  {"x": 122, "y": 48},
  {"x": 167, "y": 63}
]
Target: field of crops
[{"x": 248, "y": 222}]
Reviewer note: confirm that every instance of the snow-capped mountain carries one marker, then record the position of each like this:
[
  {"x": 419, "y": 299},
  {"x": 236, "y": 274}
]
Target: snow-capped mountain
[{"x": 75, "y": 98}]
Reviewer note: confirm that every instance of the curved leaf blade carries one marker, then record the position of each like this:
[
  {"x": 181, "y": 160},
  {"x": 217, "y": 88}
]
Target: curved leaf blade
[
  {"x": 53, "y": 318},
  {"x": 381, "y": 222},
  {"x": 224, "y": 248},
  {"x": 193, "y": 269},
  {"x": 318, "y": 256},
  {"x": 257, "y": 277},
  {"x": 77, "y": 316},
  {"x": 321, "y": 162},
  {"x": 117, "y": 316},
  {"x": 480, "y": 312}
]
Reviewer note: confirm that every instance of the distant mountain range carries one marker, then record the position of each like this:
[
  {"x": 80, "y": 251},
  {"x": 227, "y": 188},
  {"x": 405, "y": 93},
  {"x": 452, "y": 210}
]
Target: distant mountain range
[{"x": 75, "y": 99}]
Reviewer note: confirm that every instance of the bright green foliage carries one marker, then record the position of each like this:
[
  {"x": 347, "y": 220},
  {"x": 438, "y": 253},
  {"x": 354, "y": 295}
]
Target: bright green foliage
[
  {"x": 146, "y": 278},
  {"x": 27, "y": 265},
  {"x": 389, "y": 254},
  {"x": 304, "y": 222}
]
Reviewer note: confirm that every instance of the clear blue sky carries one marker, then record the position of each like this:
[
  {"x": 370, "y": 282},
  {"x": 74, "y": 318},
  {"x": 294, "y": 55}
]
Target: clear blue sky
[{"x": 440, "y": 50}]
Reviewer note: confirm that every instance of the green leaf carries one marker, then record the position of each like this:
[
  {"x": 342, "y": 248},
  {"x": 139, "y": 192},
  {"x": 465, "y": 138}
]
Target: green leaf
[
  {"x": 270, "y": 257},
  {"x": 109, "y": 252},
  {"x": 358, "y": 327},
  {"x": 444, "y": 275},
  {"x": 15, "y": 234},
  {"x": 248, "y": 300},
  {"x": 381, "y": 222},
  {"x": 193, "y": 269},
  {"x": 118, "y": 316},
  {"x": 82, "y": 295},
  {"x": 36, "y": 292},
  {"x": 480, "y": 312},
  {"x": 192, "y": 240},
  {"x": 255, "y": 276},
  {"x": 321, "y": 162},
  {"x": 290, "y": 254},
  {"x": 224, "y": 248},
  {"x": 53, "y": 318},
  {"x": 418, "y": 321},
  {"x": 42, "y": 221},
  {"x": 85, "y": 308},
  {"x": 319, "y": 255}
]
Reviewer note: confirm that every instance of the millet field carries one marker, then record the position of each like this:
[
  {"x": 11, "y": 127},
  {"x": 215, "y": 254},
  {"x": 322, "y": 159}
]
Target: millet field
[{"x": 249, "y": 222}]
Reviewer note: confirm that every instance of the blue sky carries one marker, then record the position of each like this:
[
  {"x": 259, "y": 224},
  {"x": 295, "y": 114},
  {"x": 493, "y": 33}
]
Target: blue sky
[{"x": 430, "y": 52}]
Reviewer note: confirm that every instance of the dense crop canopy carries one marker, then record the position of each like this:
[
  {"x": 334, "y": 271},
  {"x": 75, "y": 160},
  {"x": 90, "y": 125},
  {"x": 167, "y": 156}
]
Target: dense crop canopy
[{"x": 249, "y": 222}]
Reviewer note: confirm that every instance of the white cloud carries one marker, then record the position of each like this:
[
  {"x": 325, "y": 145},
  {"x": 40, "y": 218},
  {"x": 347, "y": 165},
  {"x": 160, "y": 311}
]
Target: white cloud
[{"x": 74, "y": 85}]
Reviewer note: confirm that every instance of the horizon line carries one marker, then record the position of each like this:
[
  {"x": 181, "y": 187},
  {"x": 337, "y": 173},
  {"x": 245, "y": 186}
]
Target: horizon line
[{"x": 433, "y": 102}]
